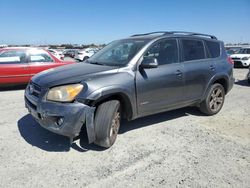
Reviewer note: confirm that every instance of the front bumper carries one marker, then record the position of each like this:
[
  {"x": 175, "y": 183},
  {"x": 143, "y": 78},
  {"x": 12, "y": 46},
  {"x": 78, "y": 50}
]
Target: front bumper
[
  {"x": 62, "y": 118},
  {"x": 78, "y": 57}
]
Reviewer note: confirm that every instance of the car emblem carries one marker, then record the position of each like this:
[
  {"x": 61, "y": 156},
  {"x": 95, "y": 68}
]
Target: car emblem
[{"x": 31, "y": 89}]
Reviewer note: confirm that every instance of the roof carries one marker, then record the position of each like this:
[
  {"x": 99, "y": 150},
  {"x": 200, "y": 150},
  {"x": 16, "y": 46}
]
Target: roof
[{"x": 20, "y": 48}]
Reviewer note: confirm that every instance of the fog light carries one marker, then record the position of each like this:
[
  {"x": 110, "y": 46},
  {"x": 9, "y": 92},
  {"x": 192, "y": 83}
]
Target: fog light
[{"x": 59, "y": 122}]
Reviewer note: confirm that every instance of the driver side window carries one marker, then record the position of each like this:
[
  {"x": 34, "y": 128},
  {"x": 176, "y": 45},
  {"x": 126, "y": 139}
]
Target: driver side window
[
  {"x": 12, "y": 57},
  {"x": 165, "y": 51}
]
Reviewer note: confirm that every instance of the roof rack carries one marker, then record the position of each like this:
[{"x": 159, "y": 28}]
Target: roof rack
[
  {"x": 152, "y": 33},
  {"x": 176, "y": 32}
]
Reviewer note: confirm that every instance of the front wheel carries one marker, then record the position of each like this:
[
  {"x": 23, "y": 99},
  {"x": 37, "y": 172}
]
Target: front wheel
[
  {"x": 107, "y": 123},
  {"x": 248, "y": 77},
  {"x": 214, "y": 100},
  {"x": 85, "y": 58}
]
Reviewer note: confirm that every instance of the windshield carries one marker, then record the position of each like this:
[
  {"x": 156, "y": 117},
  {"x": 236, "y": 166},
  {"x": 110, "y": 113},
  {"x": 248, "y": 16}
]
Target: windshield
[
  {"x": 244, "y": 51},
  {"x": 117, "y": 53}
]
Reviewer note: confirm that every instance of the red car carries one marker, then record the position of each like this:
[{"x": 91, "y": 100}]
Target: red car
[{"x": 18, "y": 65}]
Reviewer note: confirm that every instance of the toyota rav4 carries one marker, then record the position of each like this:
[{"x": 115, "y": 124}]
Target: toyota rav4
[{"x": 130, "y": 78}]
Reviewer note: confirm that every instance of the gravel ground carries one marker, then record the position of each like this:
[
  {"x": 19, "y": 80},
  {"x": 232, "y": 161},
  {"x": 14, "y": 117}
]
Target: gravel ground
[{"x": 180, "y": 148}]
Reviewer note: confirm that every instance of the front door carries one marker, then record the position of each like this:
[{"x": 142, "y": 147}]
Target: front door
[
  {"x": 14, "y": 68},
  {"x": 162, "y": 87}
]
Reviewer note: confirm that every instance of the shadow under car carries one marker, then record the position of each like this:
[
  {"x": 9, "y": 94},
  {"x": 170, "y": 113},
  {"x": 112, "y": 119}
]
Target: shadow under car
[{"x": 37, "y": 136}]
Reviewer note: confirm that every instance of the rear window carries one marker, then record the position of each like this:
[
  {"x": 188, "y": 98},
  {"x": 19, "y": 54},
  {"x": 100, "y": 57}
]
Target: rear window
[
  {"x": 193, "y": 49},
  {"x": 39, "y": 56},
  {"x": 213, "y": 49}
]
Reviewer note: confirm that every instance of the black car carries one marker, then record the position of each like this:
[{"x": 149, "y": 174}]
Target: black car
[
  {"x": 70, "y": 53},
  {"x": 130, "y": 78}
]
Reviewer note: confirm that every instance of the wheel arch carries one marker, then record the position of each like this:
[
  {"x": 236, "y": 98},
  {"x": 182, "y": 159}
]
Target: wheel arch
[
  {"x": 123, "y": 97},
  {"x": 221, "y": 79}
]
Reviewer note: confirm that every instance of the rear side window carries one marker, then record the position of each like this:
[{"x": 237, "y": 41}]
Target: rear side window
[
  {"x": 213, "y": 49},
  {"x": 12, "y": 57},
  {"x": 193, "y": 50},
  {"x": 39, "y": 56}
]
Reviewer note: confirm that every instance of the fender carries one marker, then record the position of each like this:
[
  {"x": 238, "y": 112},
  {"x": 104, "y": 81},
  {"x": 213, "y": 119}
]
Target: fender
[
  {"x": 107, "y": 91},
  {"x": 212, "y": 80}
]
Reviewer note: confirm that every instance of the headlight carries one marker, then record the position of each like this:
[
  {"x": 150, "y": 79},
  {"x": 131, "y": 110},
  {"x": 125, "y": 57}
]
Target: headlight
[
  {"x": 66, "y": 93},
  {"x": 245, "y": 58}
]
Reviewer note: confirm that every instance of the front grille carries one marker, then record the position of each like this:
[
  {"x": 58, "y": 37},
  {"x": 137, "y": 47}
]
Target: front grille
[
  {"x": 235, "y": 58},
  {"x": 237, "y": 63},
  {"x": 30, "y": 104},
  {"x": 37, "y": 87},
  {"x": 36, "y": 91}
]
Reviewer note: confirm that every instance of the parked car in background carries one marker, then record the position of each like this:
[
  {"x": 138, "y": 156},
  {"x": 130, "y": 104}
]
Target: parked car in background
[
  {"x": 130, "y": 78},
  {"x": 18, "y": 65},
  {"x": 230, "y": 52},
  {"x": 70, "y": 53},
  {"x": 242, "y": 58},
  {"x": 86, "y": 53},
  {"x": 57, "y": 54}
]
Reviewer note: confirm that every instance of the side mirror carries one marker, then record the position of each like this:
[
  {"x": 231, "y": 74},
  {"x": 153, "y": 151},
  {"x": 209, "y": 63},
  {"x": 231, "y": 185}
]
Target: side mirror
[{"x": 149, "y": 62}]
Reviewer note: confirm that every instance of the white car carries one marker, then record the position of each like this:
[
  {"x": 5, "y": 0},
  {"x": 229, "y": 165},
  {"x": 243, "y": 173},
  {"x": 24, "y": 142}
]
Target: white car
[
  {"x": 242, "y": 58},
  {"x": 86, "y": 53},
  {"x": 57, "y": 54}
]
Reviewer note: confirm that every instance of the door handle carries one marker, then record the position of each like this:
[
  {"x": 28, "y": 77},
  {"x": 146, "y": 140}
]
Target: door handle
[
  {"x": 212, "y": 67},
  {"x": 178, "y": 73},
  {"x": 25, "y": 67}
]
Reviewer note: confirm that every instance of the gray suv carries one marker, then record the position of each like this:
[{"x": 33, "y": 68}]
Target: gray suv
[{"x": 131, "y": 78}]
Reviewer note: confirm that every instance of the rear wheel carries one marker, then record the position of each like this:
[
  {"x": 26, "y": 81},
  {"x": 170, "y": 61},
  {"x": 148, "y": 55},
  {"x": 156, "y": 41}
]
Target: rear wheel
[
  {"x": 214, "y": 100},
  {"x": 107, "y": 123}
]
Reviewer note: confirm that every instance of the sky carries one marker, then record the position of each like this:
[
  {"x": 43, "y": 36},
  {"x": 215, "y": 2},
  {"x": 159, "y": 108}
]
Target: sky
[{"x": 101, "y": 21}]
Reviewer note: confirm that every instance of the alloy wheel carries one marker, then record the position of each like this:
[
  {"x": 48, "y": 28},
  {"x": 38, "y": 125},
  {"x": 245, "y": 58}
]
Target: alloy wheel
[{"x": 216, "y": 100}]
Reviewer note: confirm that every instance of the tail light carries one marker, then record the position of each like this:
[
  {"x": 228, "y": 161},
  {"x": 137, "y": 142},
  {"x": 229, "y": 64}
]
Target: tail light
[{"x": 230, "y": 61}]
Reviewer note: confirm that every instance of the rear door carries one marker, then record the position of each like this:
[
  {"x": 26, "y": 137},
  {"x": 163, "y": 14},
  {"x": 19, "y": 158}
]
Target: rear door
[
  {"x": 40, "y": 60},
  {"x": 198, "y": 69},
  {"x": 14, "y": 67},
  {"x": 162, "y": 87}
]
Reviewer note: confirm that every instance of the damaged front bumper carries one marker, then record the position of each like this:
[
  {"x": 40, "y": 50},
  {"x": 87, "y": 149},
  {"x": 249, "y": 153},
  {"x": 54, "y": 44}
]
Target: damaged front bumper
[{"x": 62, "y": 118}]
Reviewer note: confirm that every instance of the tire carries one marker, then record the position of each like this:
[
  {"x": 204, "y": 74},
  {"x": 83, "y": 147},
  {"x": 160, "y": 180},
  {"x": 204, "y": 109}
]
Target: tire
[
  {"x": 85, "y": 58},
  {"x": 214, "y": 100},
  {"x": 248, "y": 77},
  {"x": 107, "y": 123}
]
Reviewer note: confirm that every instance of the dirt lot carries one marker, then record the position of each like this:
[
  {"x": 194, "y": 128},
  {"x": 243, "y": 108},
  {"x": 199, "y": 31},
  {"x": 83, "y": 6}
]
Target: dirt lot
[{"x": 181, "y": 148}]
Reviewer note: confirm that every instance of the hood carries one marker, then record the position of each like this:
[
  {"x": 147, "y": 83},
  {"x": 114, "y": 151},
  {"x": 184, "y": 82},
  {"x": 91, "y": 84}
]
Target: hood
[
  {"x": 239, "y": 55},
  {"x": 67, "y": 74}
]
